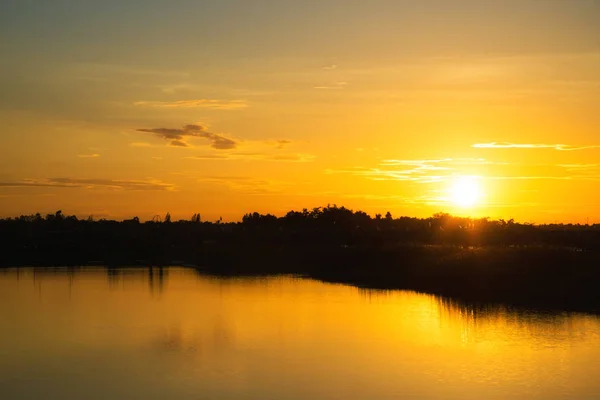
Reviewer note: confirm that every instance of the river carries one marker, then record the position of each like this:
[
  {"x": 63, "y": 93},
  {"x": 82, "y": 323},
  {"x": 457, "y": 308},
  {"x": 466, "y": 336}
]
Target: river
[{"x": 173, "y": 333}]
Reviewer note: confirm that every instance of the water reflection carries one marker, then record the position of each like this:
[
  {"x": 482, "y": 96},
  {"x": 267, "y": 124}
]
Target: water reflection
[{"x": 173, "y": 333}]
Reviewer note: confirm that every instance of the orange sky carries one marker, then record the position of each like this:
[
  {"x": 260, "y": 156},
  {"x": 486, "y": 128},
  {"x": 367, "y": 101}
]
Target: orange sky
[{"x": 227, "y": 107}]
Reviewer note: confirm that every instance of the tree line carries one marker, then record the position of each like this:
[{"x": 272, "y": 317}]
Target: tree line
[{"x": 329, "y": 225}]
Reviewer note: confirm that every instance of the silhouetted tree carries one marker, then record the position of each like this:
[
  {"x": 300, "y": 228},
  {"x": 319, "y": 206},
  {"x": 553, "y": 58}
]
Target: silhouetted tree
[{"x": 57, "y": 237}]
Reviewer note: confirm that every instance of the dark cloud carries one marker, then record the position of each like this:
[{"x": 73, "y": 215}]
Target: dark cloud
[
  {"x": 33, "y": 183},
  {"x": 280, "y": 144},
  {"x": 178, "y": 136},
  {"x": 90, "y": 184},
  {"x": 178, "y": 143},
  {"x": 222, "y": 143}
]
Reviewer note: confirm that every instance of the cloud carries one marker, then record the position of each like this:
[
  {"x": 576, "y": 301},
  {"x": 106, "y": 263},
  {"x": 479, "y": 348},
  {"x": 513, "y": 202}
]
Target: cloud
[
  {"x": 419, "y": 170},
  {"x": 426, "y": 163},
  {"x": 330, "y": 67},
  {"x": 200, "y": 103},
  {"x": 280, "y": 144},
  {"x": 94, "y": 155},
  {"x": 548, "y": 177},
  {"x": 379, "y": 174},
  {"x": 507, "y": 145},
  {"x": 423, "y": 171},
  {"x": 178, "y": 143},
  {"x": 446, "y": 169},
  {"x": 178, "y": 136},
  {"x": 578, "y": 166},
  {"x": 300, "y": 158},
  {"x": 581, "y": 168},
  {"x": 290, "y": 157},
  {"x": 91, "y": 183},
  {"x": 336, "y": 85}
]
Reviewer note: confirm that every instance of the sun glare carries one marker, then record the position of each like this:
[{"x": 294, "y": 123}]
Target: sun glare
[{"x": 466, "y": 191}]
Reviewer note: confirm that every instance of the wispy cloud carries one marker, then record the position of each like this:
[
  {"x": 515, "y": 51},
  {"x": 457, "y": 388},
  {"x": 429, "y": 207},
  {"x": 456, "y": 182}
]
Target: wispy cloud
[
  {"x": 418, "y": 171},
  {"x": 199, "y": 103},
  {"x": 380, "y": 174},
  {"x": 93, "y": 155},
  {"x": 256, "y": 157},
  {"x": 547, "y": 177},
  {"x": 581, "y": 168},
  {"x": 330, "y": 67},
  {"x": 177, "y": 136},
  {"x": 336, "y": 85},
  {"x": 427, "y": 163},
  {"x": 507, "y": 145},
  {"x": 280, "y": 144},
  {"x": 446, "y": 169},
  {"x": 91, "y": 183}
]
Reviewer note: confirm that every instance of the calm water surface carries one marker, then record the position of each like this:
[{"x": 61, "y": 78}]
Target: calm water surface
[{"x": 175, "y": 334}]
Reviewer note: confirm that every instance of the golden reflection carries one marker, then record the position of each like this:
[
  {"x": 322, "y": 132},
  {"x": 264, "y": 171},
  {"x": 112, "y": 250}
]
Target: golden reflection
[{"x": 231, "y": 337}]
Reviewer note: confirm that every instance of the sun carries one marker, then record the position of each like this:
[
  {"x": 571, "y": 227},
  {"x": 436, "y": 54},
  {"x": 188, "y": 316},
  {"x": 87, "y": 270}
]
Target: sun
[{"x": 466, "y": 191}]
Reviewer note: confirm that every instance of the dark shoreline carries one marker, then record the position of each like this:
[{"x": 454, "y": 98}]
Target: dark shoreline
[
  {"x": 475, "y": 260},
  {"x": 557, "y": 279}
]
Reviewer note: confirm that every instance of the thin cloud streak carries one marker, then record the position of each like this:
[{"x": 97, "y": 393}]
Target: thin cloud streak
[
  {"x": 90, "y": 183},
  {"x": 299, "y": 158},
  {"x": 448, "y": 161},
  {"x": 445, "y": 169},
  {"x": 336, "y": 85},
  {"x": 378, "y": 174},
  {"x": 507, "y": 145},
  {"x": 199, "y": 103},
  {"x": 556, "y": 178},
  {"x": 418, "y": 171}
]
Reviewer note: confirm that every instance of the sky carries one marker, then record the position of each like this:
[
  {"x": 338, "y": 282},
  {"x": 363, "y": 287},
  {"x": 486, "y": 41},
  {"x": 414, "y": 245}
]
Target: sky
[{"x": 221, "y": 107}]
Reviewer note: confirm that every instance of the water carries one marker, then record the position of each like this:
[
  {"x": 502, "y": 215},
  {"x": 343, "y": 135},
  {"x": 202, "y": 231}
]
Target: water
[{"x": 175, "y": 334}]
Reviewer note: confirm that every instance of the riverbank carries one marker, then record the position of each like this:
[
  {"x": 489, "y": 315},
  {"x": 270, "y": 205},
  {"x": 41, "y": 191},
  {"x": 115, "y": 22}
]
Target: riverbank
[
  {"x": 531, "y": 276},
  {"x": 542, "y": 278},
  {"x": 538, "y": 277}
]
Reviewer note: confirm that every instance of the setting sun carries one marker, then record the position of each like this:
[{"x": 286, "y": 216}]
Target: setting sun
[{"x": 466, "y": 191}]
